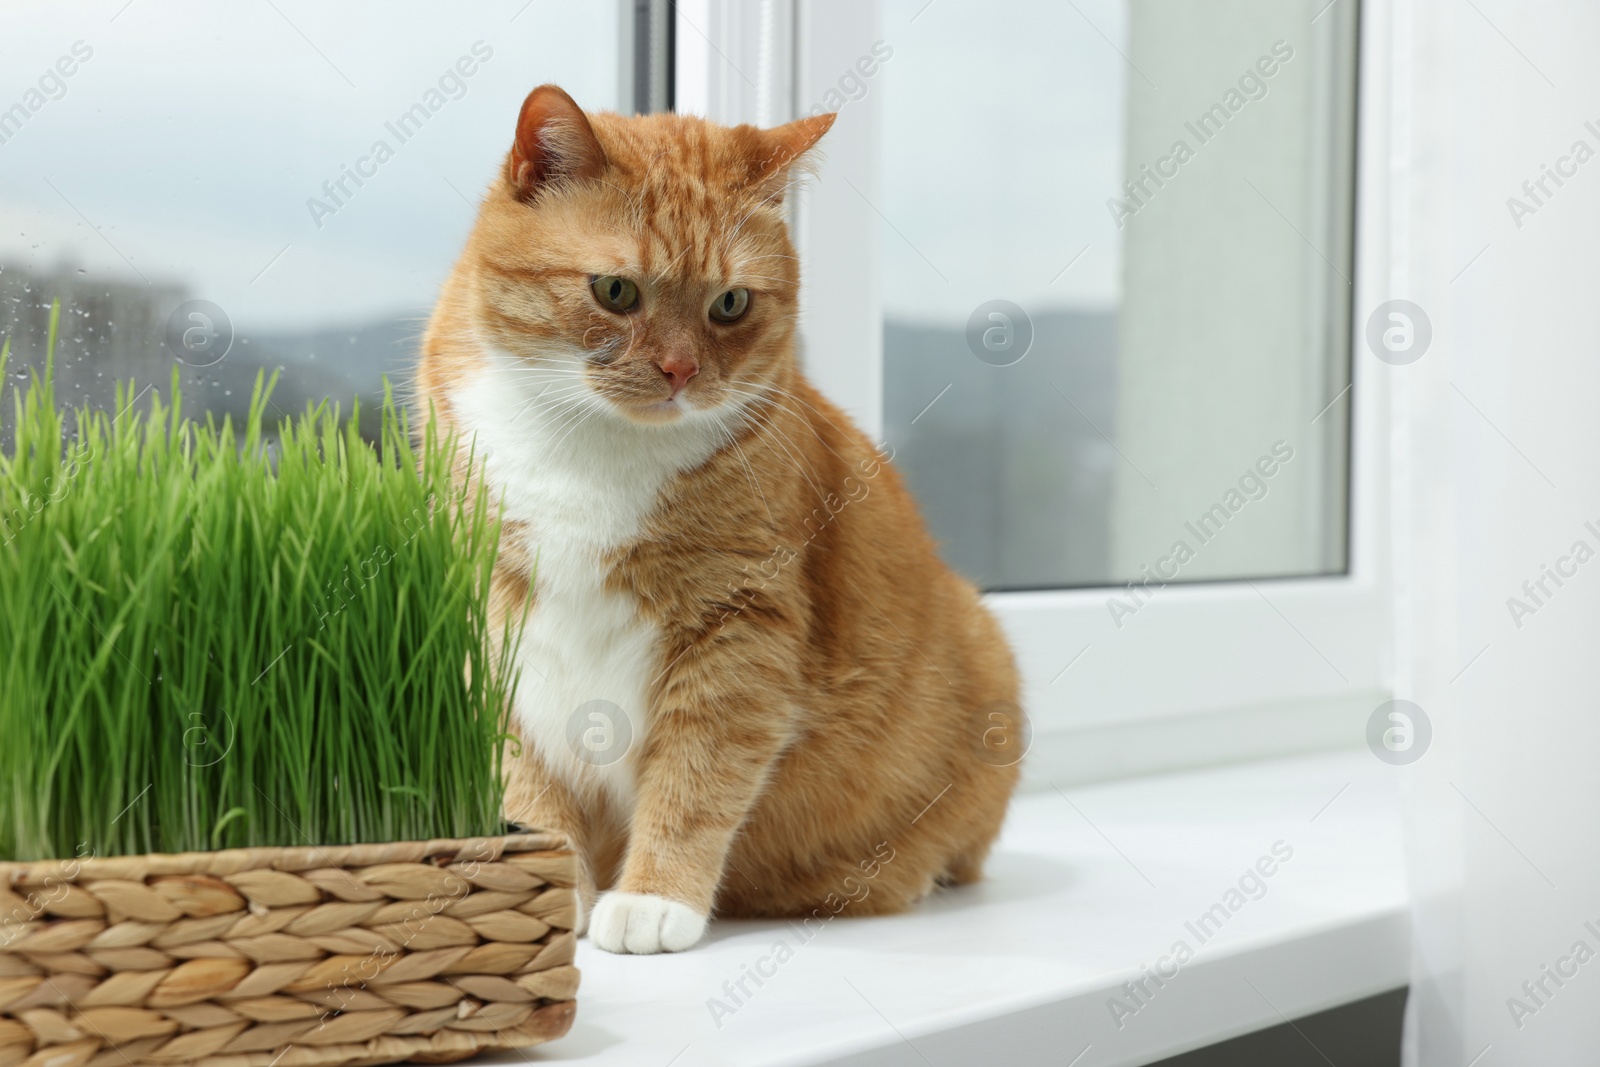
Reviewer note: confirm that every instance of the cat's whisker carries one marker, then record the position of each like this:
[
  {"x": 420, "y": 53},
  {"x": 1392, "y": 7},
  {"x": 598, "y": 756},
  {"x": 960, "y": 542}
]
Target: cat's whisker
[
  {"x": 565, "y": 417},
  {"x": 763, "y": 202},
  {"x": 589, "y": 414},
  {"x": 790, "y": 446},
  {"x": 750, "y": 476},
  {"x": 810, "y": 407},
  {"x": 767, "y": 429},
  {"x": 554, "y": 403},
  {"x": 666, "y": 271}
]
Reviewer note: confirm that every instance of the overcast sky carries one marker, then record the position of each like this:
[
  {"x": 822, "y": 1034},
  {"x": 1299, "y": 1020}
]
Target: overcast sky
[
  {"x": 195, "y": 133},
  {"x": 1002, "y": 135}
]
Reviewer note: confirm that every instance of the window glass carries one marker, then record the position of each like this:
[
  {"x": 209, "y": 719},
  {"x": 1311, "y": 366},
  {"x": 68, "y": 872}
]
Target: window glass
[
  {"x": 1117, "y": 250},
  {"x": 230, "y": 187}
]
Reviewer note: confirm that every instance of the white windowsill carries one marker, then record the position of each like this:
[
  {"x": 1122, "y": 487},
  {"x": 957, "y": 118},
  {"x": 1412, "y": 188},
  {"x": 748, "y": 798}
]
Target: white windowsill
[{"x": 1020, "y": 969}]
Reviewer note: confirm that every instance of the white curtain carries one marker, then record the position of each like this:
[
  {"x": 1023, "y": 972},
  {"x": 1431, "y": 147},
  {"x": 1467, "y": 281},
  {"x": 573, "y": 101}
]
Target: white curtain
[{"x": 1496, "y": 484}]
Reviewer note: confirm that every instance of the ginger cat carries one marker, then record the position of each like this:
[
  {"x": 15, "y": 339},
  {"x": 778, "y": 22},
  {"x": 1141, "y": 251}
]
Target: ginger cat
[{"x": 748, "y": 683}]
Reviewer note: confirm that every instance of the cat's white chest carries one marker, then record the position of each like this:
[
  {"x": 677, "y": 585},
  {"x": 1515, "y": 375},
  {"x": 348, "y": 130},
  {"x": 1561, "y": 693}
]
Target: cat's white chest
[{"x": 587, "y": 656}]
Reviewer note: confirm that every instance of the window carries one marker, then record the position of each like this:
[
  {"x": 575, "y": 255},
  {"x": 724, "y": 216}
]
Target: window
[
  {"x": 1171, "y": 363},
  {"x": 1090, "y": 270},
  {"x": 230, "y": 189},
  {"x": 1116, "y": 285}
]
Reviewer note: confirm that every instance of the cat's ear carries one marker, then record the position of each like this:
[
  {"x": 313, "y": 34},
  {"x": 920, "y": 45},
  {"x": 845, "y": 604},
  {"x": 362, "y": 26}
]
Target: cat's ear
[
  {"x": 779, "y": 147},
  {"x": 554, "y": 143}
]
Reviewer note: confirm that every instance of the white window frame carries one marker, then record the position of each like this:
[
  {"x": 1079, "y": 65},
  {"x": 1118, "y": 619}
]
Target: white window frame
[{"x": 1205, "y": 672}]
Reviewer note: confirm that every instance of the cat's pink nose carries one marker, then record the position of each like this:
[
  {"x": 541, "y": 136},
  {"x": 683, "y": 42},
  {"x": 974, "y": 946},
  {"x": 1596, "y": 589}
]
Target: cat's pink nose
[{"x": 678, "y": 369}]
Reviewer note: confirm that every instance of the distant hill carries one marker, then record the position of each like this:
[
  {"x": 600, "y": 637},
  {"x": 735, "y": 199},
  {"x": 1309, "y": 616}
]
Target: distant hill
[
  {"x": 113, "y": 332},
  {"x": 343, "y": 363},
  {"x": 1015, "y": 483}
]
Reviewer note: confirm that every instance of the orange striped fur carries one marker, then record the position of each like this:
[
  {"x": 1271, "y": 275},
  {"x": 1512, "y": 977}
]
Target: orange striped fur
[{"x": 710, "y": 547}]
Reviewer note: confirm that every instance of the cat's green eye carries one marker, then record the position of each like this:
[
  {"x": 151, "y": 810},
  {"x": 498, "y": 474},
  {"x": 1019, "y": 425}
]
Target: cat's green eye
[
  {"x": 731, "y": 305},
  {"x": 614, "y": 293}
]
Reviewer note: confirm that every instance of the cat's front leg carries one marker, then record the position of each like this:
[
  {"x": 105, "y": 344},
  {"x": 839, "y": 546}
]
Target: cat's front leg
[
  {"x": 538, "y": 799},
  {"x": 714, "y": 736}
]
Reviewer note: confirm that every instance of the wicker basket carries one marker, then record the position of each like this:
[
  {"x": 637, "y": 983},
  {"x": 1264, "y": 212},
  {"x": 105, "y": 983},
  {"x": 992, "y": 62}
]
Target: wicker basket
[{"x": 295, "y": 957}]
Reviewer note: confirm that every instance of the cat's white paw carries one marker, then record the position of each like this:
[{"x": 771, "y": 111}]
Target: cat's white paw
[{"x": 641, "y": 923}]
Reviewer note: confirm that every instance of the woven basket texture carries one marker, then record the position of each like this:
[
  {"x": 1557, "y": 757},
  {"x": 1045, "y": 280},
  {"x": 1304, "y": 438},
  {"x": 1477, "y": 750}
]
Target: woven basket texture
[{"x": 288, "y": 957}]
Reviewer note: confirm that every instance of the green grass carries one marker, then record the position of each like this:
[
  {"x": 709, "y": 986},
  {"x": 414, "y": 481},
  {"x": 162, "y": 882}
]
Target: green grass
[{"x": 206, "y": 643}]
